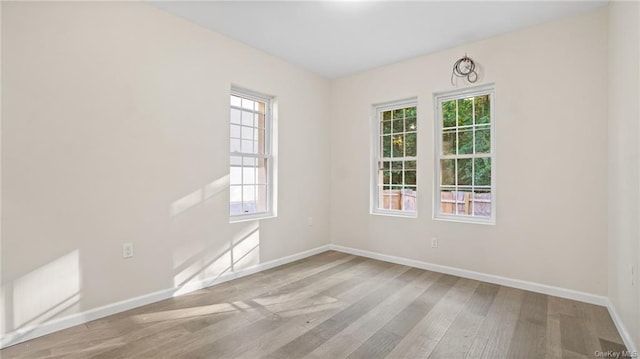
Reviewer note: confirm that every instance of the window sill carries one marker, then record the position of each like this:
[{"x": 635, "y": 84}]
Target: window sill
[
  {"x": 469, "y": 220},
  {"x": 251, "y": 217},
  {"x": 395, "y": 214}
]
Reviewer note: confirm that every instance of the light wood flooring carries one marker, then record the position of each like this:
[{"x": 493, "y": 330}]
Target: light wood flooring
[{"x": 335, "y": 305}]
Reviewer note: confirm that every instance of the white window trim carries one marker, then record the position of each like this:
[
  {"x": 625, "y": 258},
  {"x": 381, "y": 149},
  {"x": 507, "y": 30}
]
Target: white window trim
[
  {"x": 439, "y": 98},
  {"x": 377, "y": 109},
  {"x": 269, "y": 102}
]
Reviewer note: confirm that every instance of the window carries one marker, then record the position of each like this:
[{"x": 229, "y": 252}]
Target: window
[
  {"x": 250, "y": 158},
  {"x": 394, "y": 161},
  {"x": 465, "y": 150}
]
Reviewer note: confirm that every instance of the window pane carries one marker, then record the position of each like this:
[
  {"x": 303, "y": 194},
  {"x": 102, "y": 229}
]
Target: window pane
[
  {"x": 396, "y": 165},
  {"x": 449, "y": 143},
  {"x": 386, "y": 115},
  {"x": 260, "y": 121},
  {"x": 410, "y": 124},
  {"x": 261, "y": 148},
  {"x": 449, "y": 114},
  {"x": 410, "y": 165},
  {"x": 261, "y": 171},
  {"x": 398, "y": 113},
  {"x": 483, "y": 109},
  {"x": 261, "y": 198},
  {"x": 235, "y": 160},
  {"x": 386, "y": 177},
  {"x": 247, "y": 103},
  {"x": 235, "y": 208},
  {"x": 483, "y": 140},
  {"x": 386, "y": 146},
  {"x": 398, "y": 146},
  {"x": 248, "y": 175},
  {"x": 249, "y": 193},
  {"x": 247, "y": 146},
  {"x": 465, "y": 171},
  {"x": 235, "y": 145},
  {"x": 463, "y": 201},
  {"x": 448, "y": 172},
  {"x": 247, "y": 118},
  {"x": 235, "y": 116},
  {"x": 482, "y": 203},
  {"x": 385, "y": 165},
  {"x": 398, "y": 126},
  {"x": 247, "y": 133},
  {"x": 386, "y": 127},
  {"x": 235, "y": 175},
  {"x": 235, "y": 101},
  {"x": 249, "y": 161},
  {"x": 409, "y": 199},
  {"x": 235, "y": 193},
  {"x": 396, "y": 177},
  {"x": 261, "y": 107},
  {"x": 465, "y": 142},
  {"x": 482, "y": 169},
  {"x": 410, "y": 112},
  {"x": 410, "y": 144},
  {"x": 410, "y": 178},
  {"x": 235, "y": 131},
  {"x": 465, "y": 111},
  {"x": 447, "y": 201}
]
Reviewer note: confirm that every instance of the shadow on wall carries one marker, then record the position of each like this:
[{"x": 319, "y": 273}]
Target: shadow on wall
[
  {"x": 42, "y": 294},
  {"x": 198, "y": 265}
]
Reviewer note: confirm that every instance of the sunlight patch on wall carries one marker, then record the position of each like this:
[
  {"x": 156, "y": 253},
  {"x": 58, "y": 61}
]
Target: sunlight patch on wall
[
  {"x": 200, "y": 195},
  {"x": 46, "y": 291},
  {"x": 196, "y": 263}
]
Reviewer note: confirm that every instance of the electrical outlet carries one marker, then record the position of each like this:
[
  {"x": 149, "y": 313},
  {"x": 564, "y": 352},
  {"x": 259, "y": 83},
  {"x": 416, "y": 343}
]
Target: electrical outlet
[
  {"x": 127, "y": 250},
  {"x": 309, "y": 221},
  {"x": 434, "y": 242}
]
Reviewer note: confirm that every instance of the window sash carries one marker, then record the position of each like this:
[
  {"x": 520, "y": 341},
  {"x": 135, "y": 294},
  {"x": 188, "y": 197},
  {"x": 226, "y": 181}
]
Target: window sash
[
  {"x": 456, "y": 188},
  {"x": 266, "y": 188},
  {"x": 378, "y": 158}
]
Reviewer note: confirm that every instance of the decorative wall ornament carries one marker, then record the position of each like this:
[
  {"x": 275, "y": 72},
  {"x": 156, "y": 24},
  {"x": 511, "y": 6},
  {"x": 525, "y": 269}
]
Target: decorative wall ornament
[{"x": 464, "y": 67}]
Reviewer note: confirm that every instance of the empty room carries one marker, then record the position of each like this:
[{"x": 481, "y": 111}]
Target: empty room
[{"x": 320, "y": 179}]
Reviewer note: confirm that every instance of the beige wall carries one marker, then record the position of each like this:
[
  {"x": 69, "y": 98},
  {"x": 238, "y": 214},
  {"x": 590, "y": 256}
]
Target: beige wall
[
  {"x": 114, "y": 118},
  {"x": 624, "y": 162},
  {"x": 551, "y": 91}
]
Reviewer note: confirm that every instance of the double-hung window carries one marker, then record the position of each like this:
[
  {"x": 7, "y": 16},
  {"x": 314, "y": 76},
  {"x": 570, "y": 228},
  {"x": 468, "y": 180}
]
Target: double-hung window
[
  {"x": 394, "y": 175},
  {"x": 250, "y": 173},
  {"x": 465, "y": 150}
]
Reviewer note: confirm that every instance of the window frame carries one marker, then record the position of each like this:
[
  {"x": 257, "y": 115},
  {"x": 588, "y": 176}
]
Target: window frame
[
  {"x": 268, "y": 153},
  {"x": 438, "y": 100},
  {"x": 377, "y": 110}
]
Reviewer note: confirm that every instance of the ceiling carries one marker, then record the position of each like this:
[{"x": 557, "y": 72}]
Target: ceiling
[{"x": 339, "y": 38}]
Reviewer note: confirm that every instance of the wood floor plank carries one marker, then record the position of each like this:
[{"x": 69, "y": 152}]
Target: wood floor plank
[
  {"x": 460, "y": 336},
  {"x": 529, "y": 336},
  {"x": 423, "y": 338},
  {"x": 336, "y": 305},
  {"x": 362, "y": 329},
  {"x": 386, "y": 339},
  {"x": 493, "y": 338},
  {"x": 309, "y": 341}
]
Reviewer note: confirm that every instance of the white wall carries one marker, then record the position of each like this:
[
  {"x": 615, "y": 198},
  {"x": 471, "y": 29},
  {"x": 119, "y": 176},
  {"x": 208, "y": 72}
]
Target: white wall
[
  {"x": 624, "y": 162},
  {"x": 112, "y": 113},
  {"x": 551, "y": 118}
]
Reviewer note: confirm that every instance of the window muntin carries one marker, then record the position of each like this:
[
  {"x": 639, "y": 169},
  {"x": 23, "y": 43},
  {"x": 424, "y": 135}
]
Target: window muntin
[
  {"x": 250, "y": 156},
  {"x": 395, "y": 159},
  {"x": 465, "y": 184}
]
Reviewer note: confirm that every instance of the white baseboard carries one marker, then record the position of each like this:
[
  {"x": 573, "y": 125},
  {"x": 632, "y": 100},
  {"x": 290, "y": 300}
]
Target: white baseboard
[
  {"x": 31, "y": 332},
  {"x": 622, "y": 329},
  {"x": 508, "y": 282}
]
